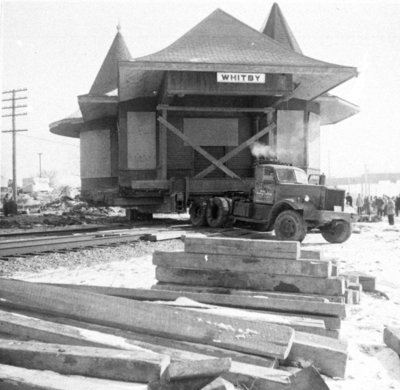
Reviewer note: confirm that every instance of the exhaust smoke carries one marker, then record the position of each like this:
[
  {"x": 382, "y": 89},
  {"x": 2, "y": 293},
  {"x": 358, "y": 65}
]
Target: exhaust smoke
[{"x": 260, "y": 150}]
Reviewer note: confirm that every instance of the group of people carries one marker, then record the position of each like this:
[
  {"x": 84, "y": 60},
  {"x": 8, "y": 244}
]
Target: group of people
[{"x": 381, "y": 205}]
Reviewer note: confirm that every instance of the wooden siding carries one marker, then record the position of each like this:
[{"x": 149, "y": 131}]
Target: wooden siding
[
  {"x": 141, "y": 128},
  {"x": 95, "y": 148}
]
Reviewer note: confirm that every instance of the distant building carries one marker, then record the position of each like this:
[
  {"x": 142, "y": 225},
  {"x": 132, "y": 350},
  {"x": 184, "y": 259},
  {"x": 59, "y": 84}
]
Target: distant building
[{"x": 156, "y": 130}]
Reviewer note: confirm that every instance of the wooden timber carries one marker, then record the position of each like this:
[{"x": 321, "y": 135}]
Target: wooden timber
[
  {"x": 249, "y": 293},
  {"x": 243, "y": 247},
  {"x": 311, "y": 254},
  {"x": 183, "y": 384},
  {"x": 131, "y": 366},
  {"x": 177, "y": 350},
  {"x": 20, "y": 378},
  {"x": 326, "y": 354},
  {"x": 241, "y": 373},
  {"x": 219, "y": 384},
  {"x": 305, "y": 379},
  {"x": 368, "y": 282},
  {"x": 67, "y": 331},
  {"x": 250, "y": 280},
  {"x": 280, "y": 304},
  {"x": 232, "y": 333},
  {"x": 215, "y": 109},
  {"x": 313, "y": 268},
  {"x": 298, "y": 323},
  {"x": 195, "y": 369},
  {"x": 391, "y": 337}
]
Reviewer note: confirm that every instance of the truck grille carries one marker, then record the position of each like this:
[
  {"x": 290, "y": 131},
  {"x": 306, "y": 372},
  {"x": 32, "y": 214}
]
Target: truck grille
[{"x": 334, "y": 198}]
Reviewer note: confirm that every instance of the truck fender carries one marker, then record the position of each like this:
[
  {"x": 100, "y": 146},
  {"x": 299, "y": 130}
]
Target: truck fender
[{"x": 285, "y": 204}]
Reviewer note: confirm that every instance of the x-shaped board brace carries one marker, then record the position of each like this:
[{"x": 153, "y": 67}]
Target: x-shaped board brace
[{"x": 198, "y": 149}]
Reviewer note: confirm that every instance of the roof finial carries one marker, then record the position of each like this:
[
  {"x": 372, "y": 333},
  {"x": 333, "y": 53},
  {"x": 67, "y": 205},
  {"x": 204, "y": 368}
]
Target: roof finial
[{"x": 119, "y": 26}]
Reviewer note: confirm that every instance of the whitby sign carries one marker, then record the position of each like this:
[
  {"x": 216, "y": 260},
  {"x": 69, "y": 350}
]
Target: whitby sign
[{"x": 248, "y": 78}]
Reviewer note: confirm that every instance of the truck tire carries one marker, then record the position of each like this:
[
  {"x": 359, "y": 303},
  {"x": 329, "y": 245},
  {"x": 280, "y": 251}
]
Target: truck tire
[
  {"x": 290, "y": 226},
  {"x": 217, "y": 212},
  {"x": 337, "y": 232},
  {"x": 197, "y": 214}
]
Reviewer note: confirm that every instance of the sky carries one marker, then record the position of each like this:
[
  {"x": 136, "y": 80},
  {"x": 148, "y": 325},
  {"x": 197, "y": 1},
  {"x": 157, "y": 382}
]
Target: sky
[{"x": 55, "y": 49}]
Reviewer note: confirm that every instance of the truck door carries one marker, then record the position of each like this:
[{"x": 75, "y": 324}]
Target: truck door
[{"x": 264, "y": 189}]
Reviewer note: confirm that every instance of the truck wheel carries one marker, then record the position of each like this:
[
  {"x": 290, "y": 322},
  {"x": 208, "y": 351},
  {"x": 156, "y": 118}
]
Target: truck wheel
[
  {"x": 197, "y": 214},
  {"x": 337, "y": 232},
  {"x": 217, "y": 212},
  {"x": 290, "y": 226}
]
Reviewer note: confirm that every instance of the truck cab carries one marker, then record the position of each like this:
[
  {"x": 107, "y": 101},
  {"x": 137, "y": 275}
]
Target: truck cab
[{"x": 283, "y": 200}]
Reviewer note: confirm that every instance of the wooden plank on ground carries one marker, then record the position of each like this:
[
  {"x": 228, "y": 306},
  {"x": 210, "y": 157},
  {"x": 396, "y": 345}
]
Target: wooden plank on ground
[
  {"x": 326, "y": 354},
  {"x": 304, "y": 379},
  {"x": 260, "y": 374},
  {"x": 20, "y": 378},
  {"x": 232, "y": 333},
  {"x": 319, "y": 269},
  {"x": 60, "y": 330},
  {"x": 248, "y": 293},
  {"x": 250, "y": 280},
  {"x": 311, "y": 254},
  {"x": 163, "y": 236},
  {"x": 296, "y": 322},
  {"x": 320, "y": 310},
  {"x": 219, "y": 384},
  {"x": 391, "y": 337},
  {"x": 368, "y": 282},
  {"x": 197, "y": 369},
  {"x": 131, "y": 366},
  {"x": 243, "y": 247}
]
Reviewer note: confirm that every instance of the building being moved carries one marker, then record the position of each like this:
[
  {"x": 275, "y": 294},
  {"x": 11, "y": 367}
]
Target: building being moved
[{"x": 158, "y": 131}]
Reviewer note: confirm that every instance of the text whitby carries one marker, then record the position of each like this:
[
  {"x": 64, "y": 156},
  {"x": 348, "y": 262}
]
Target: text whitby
[{"x": 252, "y": 78}]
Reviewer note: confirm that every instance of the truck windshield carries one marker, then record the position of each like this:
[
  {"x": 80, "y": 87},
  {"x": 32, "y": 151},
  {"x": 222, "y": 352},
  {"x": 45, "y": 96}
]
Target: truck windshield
[{"x": 291, "y": 175}]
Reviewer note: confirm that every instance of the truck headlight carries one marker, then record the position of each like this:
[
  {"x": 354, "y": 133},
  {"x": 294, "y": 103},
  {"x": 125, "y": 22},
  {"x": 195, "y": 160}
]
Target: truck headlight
[{"x": 306, "y": 198}]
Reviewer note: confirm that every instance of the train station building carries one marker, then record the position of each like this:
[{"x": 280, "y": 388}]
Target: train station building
[{"x": 195, "y": 116}]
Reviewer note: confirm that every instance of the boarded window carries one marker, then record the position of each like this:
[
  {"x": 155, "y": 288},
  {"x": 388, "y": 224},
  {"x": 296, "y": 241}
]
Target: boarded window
[
  {"x": 95, "y": 154},
  {"x": 141, "y": 140},
  {"x": 212, "y": 131}
]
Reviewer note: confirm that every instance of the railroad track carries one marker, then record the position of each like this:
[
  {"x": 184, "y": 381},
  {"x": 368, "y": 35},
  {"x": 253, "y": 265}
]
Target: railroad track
[
  {"x": 27, "y": 244},
  {"x": 35, "y": 245}
]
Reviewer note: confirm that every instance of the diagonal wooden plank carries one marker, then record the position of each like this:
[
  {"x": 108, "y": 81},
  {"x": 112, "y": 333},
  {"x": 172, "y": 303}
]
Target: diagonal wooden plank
[
  {"x": 237, "y": 150},
  {"x": 199, "y": 149},
  {"x": 241, "y": 335}
]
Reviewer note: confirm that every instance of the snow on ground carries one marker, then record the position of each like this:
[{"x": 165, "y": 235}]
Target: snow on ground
[{"x": 374, "y": 248}]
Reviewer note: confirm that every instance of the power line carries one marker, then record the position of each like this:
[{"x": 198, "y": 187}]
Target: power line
[
  {"x": 13, "y": 113},
  {"x": 49, "y": 140}
]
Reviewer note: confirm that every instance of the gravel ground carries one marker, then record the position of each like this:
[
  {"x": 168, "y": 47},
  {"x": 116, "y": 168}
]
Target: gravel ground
[{"x": 84, "y": 258}]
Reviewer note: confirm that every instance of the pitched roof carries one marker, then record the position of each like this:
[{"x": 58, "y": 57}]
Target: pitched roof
[
  {"x": 222, "y": 39},
  {"x": 276, "y": 27},
  {"x": 107, "y": 77},
  {"x": 221, "y": 43}
]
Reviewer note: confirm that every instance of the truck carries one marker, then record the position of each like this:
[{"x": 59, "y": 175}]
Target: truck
[{"x": 281, "y": 199}]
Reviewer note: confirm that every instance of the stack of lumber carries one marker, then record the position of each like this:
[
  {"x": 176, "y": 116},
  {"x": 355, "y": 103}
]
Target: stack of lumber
[
  {"x": 273, "y": 281},
  {"x": 74, "y": 337},
  {"x": 257, "y": 265}
]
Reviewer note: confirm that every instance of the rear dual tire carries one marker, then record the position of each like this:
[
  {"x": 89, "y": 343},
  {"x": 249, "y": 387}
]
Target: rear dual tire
[{"x": 214, "y": 213}]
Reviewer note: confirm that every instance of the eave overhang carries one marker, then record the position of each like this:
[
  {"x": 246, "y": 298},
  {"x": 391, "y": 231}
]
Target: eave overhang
[
  {"x": 96, "y": 107},
  {"x": 334, "y": 109},
  {"x": 144, "y": 78}
]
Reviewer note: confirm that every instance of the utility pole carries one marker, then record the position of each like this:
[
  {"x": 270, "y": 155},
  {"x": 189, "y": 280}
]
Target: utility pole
[
  {"x": 12, "y": 96},
  {"x": 40, "y": 164}
]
